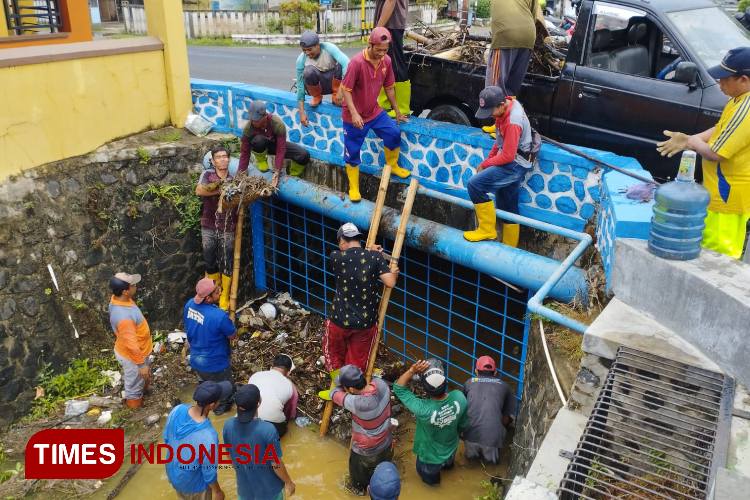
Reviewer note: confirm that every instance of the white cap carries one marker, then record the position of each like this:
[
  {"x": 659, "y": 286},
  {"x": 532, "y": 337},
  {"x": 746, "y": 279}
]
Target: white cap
[
  {"x": 131, "y": 279},
  {"x": 349, "y": 230}
]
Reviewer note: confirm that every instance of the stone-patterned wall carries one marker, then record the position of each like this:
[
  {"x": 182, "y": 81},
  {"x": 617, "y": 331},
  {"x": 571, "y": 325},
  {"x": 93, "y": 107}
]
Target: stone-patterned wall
[
  {"x": 85, "y": 218},
  {"x": 562, "y": 188}
]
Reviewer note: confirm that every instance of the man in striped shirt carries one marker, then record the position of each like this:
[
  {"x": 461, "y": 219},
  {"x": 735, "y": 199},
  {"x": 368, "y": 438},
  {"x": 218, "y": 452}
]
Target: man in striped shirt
[{"x": 370, "y": 405}]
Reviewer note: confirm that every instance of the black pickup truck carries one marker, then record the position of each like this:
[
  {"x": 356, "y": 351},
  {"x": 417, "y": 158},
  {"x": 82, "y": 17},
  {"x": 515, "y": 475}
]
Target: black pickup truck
[{"x": 615, "y": 90}]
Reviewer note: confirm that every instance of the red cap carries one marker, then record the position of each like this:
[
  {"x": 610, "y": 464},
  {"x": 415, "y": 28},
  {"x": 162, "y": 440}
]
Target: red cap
[
  {"x": 380, "y": 35},
  {"x": 486, "y": 363},
  {"x": 203, "y": 289}
]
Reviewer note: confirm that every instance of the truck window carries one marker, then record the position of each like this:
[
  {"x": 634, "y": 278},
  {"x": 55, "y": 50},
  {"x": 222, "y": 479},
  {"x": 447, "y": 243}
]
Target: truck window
[
  {"x": 625, "y": 40},
  {"x": 709, "y": 32}
]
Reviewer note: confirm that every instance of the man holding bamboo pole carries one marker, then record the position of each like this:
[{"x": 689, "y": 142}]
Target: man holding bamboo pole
[{"x": 352, "y": 322}]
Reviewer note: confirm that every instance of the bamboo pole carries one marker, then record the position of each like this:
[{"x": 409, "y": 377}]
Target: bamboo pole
[
  {"x": 372, "y": 234},
  {"x": 397, "y": 246},
  {"x": 236, "y": 265}
]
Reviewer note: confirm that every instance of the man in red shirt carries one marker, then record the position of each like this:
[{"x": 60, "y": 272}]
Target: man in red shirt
[
  {"x": 505, "y": 167},
  {"x": 367, "y": 73}
]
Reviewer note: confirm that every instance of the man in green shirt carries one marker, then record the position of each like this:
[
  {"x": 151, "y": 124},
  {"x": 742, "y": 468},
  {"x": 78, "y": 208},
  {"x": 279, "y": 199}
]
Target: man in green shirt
[{"x": 440, "y": 418}]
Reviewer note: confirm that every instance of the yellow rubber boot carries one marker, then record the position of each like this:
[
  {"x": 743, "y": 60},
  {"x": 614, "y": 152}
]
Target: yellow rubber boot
[
  {"x": 391, "y": 158},
  {"x": 486, "y": 217},
  {"x": 511, "y": 233},
  {"x": 226, "y": 283},
  {"x": 296, "y": 169},
  {"x": 384, "y": 103},
  {"x": 352, "y": 173},
  {"x": 261, "y": 160},
  {"x": 490, "y": 129},
  {"x": 403, "y": 97}
]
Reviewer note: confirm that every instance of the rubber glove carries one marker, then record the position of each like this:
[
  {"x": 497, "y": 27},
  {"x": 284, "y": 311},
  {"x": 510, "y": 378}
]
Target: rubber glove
[
  {"x": 325, "y": 395},
  {"x": 676, "y": 143}
]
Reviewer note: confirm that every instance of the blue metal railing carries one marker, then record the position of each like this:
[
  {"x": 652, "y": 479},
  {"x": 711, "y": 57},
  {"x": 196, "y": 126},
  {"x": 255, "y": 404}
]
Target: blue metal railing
[{"x": 438, "y": 308}]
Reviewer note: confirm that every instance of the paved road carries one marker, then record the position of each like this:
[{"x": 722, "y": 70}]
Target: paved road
[{"x": 269, "y": 67}]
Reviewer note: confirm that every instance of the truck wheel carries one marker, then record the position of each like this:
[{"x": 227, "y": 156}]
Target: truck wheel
[{"x": 449, "y": 113}]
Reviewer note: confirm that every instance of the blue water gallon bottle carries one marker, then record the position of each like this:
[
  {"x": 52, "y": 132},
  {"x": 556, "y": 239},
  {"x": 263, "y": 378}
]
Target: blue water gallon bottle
[{"x": 680, "y": 209}]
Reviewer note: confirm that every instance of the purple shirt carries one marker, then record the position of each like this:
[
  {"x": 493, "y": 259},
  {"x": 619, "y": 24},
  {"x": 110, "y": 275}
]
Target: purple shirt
[
  {"x": 364, "y": 81},
  {"x": 225, "y": 221}
]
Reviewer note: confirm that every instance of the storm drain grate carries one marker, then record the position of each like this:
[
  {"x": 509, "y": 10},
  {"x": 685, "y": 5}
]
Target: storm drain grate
[{"x": 659, "y": 429}]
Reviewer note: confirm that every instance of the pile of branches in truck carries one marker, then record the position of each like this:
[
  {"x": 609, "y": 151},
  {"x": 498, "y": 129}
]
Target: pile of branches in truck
[{"x": 459, "y": 45}]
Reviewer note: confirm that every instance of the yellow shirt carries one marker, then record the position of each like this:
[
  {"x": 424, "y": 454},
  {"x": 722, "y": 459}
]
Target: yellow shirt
[{"x": 728, "y": 181}]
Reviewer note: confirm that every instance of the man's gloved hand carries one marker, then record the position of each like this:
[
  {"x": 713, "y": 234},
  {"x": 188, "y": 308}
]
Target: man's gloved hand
[
  {"x": 212, "y": 186},
  {"x": 676, "y": 143}
]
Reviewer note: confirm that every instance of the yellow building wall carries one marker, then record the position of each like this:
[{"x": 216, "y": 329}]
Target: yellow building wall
[{"x": 61, "y": 109}]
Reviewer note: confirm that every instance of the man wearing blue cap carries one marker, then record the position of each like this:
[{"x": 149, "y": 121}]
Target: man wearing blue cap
[
  {"x": 320, "y": 68},
  {"x": 265, "y": 478},
  {"x": 266, "y": 133},
  {"x": 725, "y": 149},
  {"x": 189, "y": 425},
  {"x": 385, "y": 483},
  {"x": 505, "y": 167}
]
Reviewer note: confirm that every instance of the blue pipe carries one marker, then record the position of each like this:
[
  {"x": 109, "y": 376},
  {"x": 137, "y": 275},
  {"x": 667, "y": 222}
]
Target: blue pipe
[
  {"x": 510, "y": 264},
  {"x": 535, "y": 304}
]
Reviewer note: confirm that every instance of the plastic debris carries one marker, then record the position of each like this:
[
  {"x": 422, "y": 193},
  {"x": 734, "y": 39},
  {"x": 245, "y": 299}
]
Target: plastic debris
[
  {"x": 394, "y": 422},
  {"x": 198, "y": 125},
  {"x": 152, "y": 419},
  {"x": 75, "y": 408},
  {"x": 94, "y": 412},
  {"x": 104, "y": 418},
  {"x": 113, "y": 377},
  {"x": 176, "y": 337},
  {"x": 268, "y": 310},
  {"x": 281, "y": 338},
  {"x": 302, "y": 421}
]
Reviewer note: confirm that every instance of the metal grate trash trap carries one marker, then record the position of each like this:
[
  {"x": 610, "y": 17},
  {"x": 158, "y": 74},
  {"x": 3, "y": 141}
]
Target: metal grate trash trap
[{"x": 659, "y": 429}]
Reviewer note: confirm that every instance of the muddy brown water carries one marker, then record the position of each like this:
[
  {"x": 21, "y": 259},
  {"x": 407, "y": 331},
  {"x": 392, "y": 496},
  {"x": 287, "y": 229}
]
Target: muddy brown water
[{"x": 318, "y": 467}]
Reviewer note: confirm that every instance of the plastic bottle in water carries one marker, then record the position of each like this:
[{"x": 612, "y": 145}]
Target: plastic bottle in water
[{"x": 680, "y": 209}]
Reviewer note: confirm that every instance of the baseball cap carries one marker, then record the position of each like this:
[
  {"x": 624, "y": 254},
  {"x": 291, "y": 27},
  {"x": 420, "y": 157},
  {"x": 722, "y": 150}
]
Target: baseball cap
[
  {"x": 433, "y": 379},
  {"x": 735, "y": 63},
  {"x": 349, "y": 230},
  {"x": 284, "y": 361},
  {"x": 209, "y": 392},
  {"x": 380, "y": 35},
  {"x": 130, "y": 279},
  {"x": 350, "y": 376},
  {"x": 308, "y": 39},
  {"x": 486, "y": 363},
  {"x": 203, "y": 289},
  {"x": 385, "y": 483},
  {"x": 257, "y": 110},
  {"x": 489, "y": 99},
  {"x": 247, "y": 399}
]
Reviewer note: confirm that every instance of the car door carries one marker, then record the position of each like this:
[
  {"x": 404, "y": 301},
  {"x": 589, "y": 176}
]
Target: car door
[{"x": 617, "y": 101}]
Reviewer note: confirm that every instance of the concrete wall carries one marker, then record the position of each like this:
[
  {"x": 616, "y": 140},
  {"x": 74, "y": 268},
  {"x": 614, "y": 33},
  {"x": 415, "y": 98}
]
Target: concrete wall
[
  {"x": 225, "y": 23},
  {"x": 65, "y": 100},
  {"x": 562, "y": 189}
]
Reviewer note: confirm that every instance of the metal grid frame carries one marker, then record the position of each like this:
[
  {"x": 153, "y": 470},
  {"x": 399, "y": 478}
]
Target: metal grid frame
[
  {"x": 44, "y": 13},
  {"x": 659, "y": 429},
  {"x": 296, "y": 243}
]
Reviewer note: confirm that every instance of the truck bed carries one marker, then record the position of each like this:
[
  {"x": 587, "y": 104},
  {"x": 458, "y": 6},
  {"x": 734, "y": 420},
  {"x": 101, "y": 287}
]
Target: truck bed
[{"x": 441, "y": 82}]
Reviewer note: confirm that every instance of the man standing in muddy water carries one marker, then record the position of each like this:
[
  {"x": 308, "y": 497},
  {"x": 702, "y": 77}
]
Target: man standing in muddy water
[{"x": 352, "y": 322}]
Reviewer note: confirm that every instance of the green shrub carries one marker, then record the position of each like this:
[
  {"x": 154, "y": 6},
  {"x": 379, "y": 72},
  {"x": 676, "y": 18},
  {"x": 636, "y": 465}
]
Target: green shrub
[
  {"x": 298, "y": 13},
  {"x": 742, "y": 5},
  {"x": 483, "y": 9},
  {"x": 181, "y": 197}
]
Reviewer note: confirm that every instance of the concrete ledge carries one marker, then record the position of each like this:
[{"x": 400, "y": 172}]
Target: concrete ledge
[
  {"x": 523, "y": 489},
  {"x": 706, "y": 300},
  {"x": 619, "y": 324},
  {"x": 38, "y": 54},
  {"x": 549, "y": 467}
]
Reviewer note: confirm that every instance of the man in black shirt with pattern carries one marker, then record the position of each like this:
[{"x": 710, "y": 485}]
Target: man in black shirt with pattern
[{"x": 352, "y": 321}]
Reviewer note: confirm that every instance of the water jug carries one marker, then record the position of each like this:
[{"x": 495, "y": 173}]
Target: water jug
[{"x": 680, "y": 209}]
